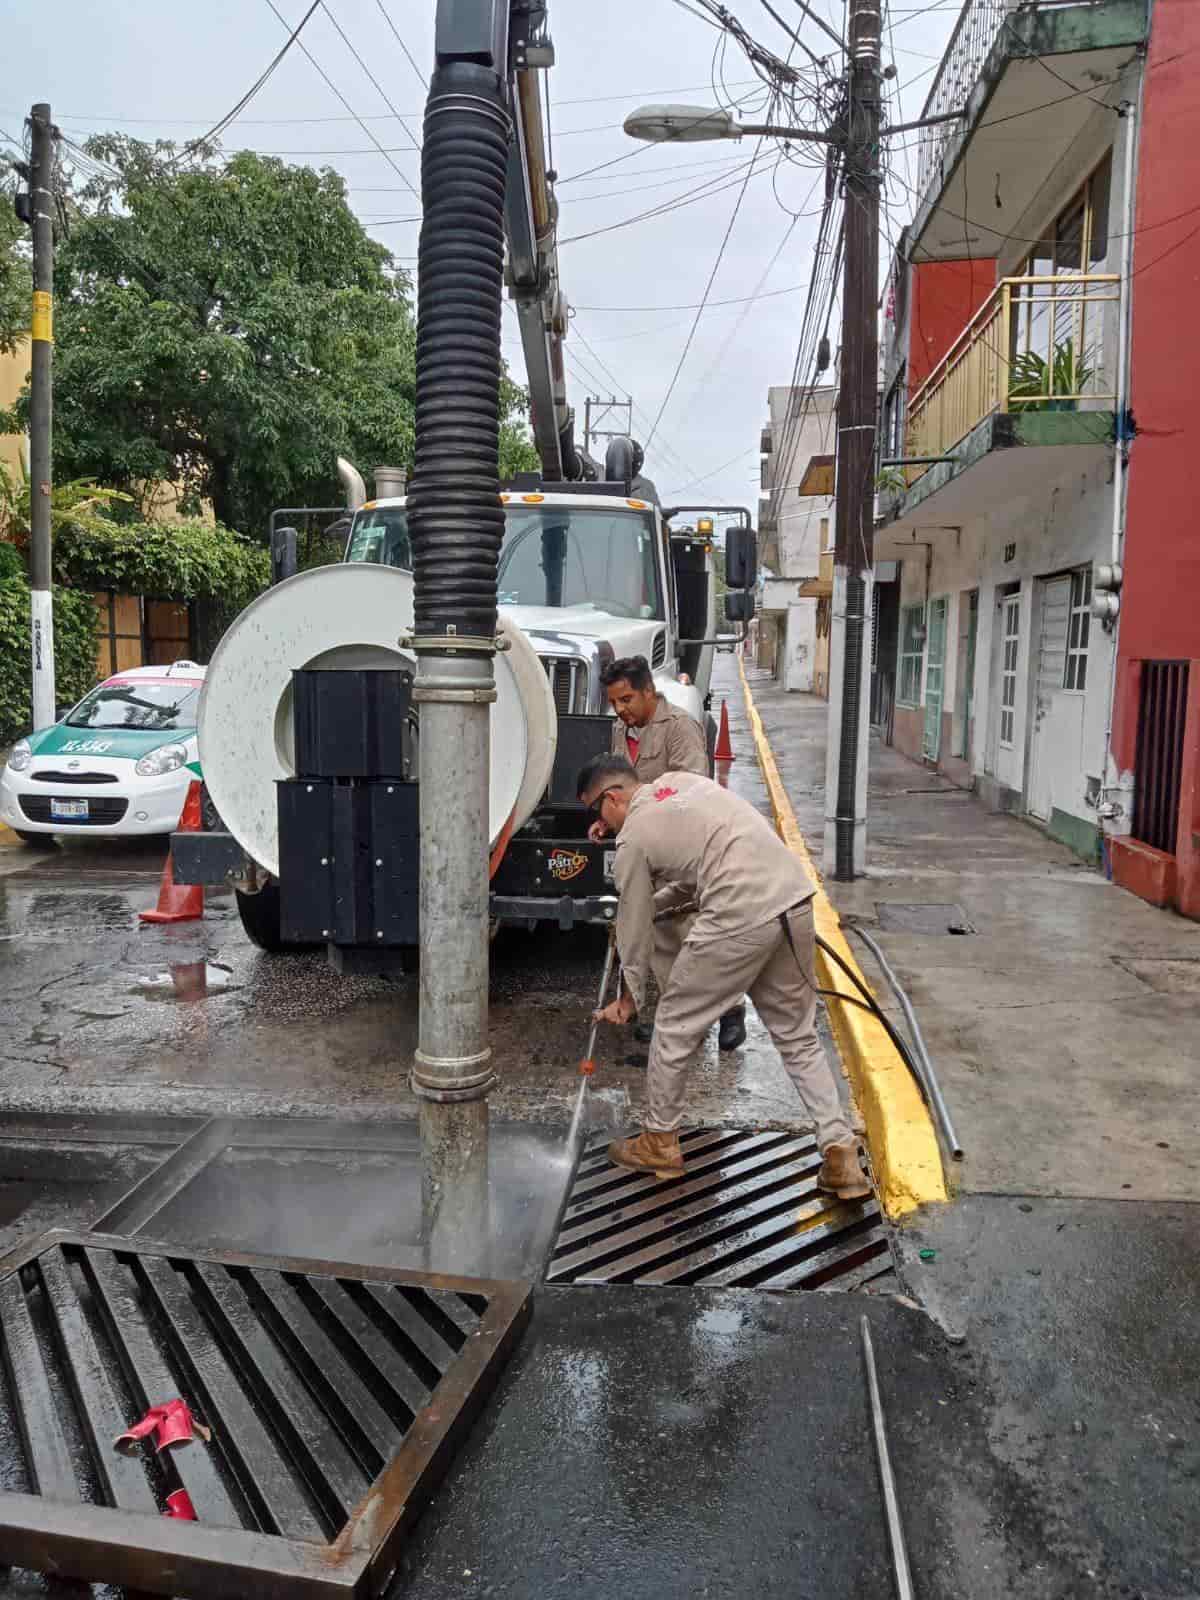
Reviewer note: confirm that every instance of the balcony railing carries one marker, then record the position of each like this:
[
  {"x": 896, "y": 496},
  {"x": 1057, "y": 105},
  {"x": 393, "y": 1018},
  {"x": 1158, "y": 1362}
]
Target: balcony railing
[
  {"x": 979, "y": 26},
  {"x": 1035, "y": 344}
]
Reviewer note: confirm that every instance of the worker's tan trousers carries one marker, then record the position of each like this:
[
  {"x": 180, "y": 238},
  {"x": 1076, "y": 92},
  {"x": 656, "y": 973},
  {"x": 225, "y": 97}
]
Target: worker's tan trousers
[{"x": 707, "y": 978}]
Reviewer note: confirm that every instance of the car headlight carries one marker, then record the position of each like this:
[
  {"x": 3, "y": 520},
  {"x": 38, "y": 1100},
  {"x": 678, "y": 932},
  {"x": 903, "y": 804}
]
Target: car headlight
[
  {"x": 20, "y": 756},
  {"x": 167, "y": 758}
]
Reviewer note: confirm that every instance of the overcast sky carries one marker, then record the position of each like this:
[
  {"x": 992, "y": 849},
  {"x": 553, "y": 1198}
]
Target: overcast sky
[{"x": 162, "y": 68}]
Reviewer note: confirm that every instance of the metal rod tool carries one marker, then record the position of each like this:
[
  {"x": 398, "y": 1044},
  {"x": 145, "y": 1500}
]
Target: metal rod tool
[
  {"x": 891, "y": 1501},
  {"x": 588, "y": 1065}
]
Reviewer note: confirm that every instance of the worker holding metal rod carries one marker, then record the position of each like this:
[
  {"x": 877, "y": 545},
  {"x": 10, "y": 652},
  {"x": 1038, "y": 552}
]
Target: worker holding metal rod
[
  {"x": 684, "y": 835},
  {"x": 656, "y": 737}
]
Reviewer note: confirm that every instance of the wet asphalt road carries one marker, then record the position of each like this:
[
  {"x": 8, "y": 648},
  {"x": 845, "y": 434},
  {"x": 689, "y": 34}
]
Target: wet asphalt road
[{"x": 99, "y": 1012}]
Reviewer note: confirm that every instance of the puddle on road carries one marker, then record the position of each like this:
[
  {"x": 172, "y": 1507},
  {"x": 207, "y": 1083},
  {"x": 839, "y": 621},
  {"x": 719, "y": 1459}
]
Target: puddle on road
[{"x": 186, "y": 980}]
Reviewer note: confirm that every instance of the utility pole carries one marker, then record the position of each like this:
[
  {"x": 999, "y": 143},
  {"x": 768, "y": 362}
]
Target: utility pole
[
  {"x": 849, "y": 687},
  {"x": 597, "y": 410},
  {"x": 41, "y": 385}
]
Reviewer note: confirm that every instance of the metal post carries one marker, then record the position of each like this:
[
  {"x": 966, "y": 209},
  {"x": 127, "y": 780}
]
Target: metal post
[
  {"x": 456, "y": 521},
  {"x": 41, "y": 381},
  {"x": 855, "y": 489}
]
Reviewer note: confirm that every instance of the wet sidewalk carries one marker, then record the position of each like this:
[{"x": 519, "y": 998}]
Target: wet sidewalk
[{"x": 1062, "y": 1024}]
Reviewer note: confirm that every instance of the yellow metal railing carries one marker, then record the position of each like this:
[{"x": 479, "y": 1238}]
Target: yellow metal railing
[{"x": 1036, "y": 343}]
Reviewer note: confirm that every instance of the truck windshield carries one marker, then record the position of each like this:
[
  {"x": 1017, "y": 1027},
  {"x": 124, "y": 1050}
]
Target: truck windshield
[
  {"x": 577, "y": 556},
  {"x": 381, "y": 535},
  {"x": 551, "y": 556}
]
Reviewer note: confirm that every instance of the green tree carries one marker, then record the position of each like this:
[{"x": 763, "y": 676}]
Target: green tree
[
  {"x": 228, "y": 326},
  {"x": 16, "y": 283}
]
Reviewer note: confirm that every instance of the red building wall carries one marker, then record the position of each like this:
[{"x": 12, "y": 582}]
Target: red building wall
[
  {"x": 1160, "y": 602},
  {"x": 945, "y": 296}
]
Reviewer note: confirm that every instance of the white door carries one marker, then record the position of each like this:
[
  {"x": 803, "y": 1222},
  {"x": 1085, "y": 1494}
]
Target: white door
[
  {"x": 1008, "y": 756},
  {"x": 1055, "y": 748}
]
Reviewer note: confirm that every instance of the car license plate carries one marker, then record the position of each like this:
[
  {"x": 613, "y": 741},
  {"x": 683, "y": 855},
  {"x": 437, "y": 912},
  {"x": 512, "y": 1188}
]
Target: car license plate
[
  {"x": 68, "y": 810},
  {"x": 610, "y": 865}
]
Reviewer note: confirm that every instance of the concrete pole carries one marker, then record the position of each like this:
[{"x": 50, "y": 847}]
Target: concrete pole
[
  {"x": 41, "y": 388},
  {"x": 849, "y": 677}
]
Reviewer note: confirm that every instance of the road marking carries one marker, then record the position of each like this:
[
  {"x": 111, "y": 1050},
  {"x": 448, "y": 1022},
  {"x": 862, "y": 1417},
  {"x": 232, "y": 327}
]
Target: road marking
[{"x": 900, "y": 1132}]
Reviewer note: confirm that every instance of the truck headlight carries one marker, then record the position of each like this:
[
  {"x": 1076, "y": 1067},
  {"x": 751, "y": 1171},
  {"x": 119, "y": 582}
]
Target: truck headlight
[
  {"x": 20, "y": 756},
  {"x": 155, "y": 763}
]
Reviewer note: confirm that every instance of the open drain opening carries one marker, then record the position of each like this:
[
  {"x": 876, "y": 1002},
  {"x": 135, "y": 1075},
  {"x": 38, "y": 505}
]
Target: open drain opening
[{"x": 746, "y": 1213}]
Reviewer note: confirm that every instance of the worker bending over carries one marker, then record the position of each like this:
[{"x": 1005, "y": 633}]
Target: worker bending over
[
  {"x": 656, "y": 737},
  {"x": 753, "y": 933}
]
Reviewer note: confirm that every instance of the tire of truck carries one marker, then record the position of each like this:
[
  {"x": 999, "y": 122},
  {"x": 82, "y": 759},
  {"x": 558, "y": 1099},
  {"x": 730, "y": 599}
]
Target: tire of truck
[
  {"x": 260, "y": 916},
  {"x": 710, "y": 742}
]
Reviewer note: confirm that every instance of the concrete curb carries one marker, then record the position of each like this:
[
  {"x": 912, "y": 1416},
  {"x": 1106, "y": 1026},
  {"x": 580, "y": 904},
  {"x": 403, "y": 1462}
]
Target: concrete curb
[{"x": 900, "y": 1132}]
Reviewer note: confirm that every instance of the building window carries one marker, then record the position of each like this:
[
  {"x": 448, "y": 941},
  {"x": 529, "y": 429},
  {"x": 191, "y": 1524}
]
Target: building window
[
  {"x": 912, "y": 646},
  {"x": 1075, "y": 672},
  {"x": 1010, "y": 638},
  {"x": 1058, "y": 327}
]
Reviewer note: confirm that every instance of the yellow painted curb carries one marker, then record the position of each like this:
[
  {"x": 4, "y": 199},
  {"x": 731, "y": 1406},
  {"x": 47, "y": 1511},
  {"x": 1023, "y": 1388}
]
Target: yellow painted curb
[
  {"x": 904, "y": 1147},
  {"x": 8, "y": 839}
]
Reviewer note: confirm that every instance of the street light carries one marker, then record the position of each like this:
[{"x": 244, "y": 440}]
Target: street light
[{"x": 668, "y": 124}]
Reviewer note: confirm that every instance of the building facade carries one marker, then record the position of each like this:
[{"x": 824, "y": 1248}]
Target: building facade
[
  {"x": 796, "y": 537},
  {"x": 1047, "y": 610}
]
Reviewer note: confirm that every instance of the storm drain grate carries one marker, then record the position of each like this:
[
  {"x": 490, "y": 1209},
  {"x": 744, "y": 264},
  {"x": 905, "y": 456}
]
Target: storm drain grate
[
  {"x": 746, "y": 1214},
  {"x": 335, "y": 1397}
]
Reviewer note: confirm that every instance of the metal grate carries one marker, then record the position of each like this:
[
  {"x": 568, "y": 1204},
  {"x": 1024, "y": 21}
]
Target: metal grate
[
  {"x": 101, "y": 811},
  {"x": 335, "y": 1396},
  {"x": 1162, "y": 714},
  {"x": 745, "y": 1214},
  {"x": 568, "y": 684}
]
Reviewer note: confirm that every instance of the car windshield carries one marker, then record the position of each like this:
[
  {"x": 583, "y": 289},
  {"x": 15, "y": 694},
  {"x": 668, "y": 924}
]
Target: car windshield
[
  {"x": 552, "y": 556},
  {"x": 577, "y": 556},
  {"x": 152, "y": 705},
  {"x": 381, "y": 536}
]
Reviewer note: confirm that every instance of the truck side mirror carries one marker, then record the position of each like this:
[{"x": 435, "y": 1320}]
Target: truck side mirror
[
  {"x": 739, "y": 605},
  {"x": 284, "y": 554},
  {"x": 741, "y": 558}
]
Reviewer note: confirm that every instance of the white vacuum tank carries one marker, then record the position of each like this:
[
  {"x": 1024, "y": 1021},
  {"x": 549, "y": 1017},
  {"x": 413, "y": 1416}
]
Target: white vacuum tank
[{"x": 348, "y": 616}]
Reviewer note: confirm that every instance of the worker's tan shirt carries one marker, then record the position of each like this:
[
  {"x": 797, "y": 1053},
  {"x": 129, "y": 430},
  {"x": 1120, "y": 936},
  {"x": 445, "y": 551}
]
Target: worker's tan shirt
[
  {"x": 685, "y": 835},
  {"x": 671, "y": 741}
]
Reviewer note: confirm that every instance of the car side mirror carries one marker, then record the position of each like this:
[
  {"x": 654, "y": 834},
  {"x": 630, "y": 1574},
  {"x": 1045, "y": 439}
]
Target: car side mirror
[
  {"x": 739, "y": 606},
  {"x": 741, "y": 558}
]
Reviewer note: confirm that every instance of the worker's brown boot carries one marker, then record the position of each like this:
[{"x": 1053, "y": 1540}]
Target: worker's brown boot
[
  {"x": 841, "y": 1172},
  {"x": 649, "y": 1152}
]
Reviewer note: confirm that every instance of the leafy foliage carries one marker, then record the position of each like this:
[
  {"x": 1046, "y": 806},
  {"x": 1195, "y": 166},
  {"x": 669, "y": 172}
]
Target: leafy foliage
[
  {"x": 167, "y": 561},
  {"x": 1034, "y": 382},
  {"x": 80, "y": 503},
  {"x": 230, "y": 328},
  {"x": 74, "y": 652},
  {"x": 16, "y": 284}
]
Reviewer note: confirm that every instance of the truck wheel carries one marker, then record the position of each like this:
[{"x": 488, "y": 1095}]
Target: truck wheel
[
  {"x": 261, "y": 918},
  {"x": 37, "y": 841}
]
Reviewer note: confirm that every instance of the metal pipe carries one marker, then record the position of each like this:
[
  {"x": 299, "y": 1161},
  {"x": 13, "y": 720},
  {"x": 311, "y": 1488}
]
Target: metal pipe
[
  {"x": 887, "y": 1479},
  {"x": 937, "y": 1102},
  {"x": 43, "y": 135},
  {"x": 453, "y": 1059},
  {"x": 352, "y": 483}
]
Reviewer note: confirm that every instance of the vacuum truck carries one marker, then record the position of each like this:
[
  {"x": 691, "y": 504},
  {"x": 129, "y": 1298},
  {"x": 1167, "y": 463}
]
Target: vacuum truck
[{"x": 308, "y": 730}]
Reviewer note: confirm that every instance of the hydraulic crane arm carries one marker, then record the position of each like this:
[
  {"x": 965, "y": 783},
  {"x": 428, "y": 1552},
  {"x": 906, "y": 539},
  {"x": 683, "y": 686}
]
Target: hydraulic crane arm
[{"x": 531, "y": 222}]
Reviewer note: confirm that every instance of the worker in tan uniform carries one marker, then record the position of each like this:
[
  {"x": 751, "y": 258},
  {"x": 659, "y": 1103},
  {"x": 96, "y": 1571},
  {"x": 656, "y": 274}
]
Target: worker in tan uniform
[
  {"x": 656, "y": 737},
  {"x": 753, "y": 933}
]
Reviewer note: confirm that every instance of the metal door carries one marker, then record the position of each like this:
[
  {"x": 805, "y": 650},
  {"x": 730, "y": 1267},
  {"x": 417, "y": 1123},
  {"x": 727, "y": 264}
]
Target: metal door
[
  {"x": 1008, "y": 756},
  {"x": 1048, "y": 748},
  {"x": 935, "y": 672},
  {"x": 968, "y": 700}
]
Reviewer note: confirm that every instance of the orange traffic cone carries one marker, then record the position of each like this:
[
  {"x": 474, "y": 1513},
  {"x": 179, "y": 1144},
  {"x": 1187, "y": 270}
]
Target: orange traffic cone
[
  {"x": 180, "y": 902},
  {"x": 724, "y": 749}
]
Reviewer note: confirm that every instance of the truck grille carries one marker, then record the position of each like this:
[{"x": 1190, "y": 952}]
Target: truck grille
[
  {"x": 101, "y": 813},
  {"x": 568, "y": 684}
]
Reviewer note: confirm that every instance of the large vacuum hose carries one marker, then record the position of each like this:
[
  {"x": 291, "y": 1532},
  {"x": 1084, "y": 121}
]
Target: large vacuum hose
[{"x": 454, "y": 511}]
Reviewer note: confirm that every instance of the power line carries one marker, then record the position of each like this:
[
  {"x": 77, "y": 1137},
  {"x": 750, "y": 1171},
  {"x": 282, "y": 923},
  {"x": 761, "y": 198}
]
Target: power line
[
  {"x": 712, "y": 278},
  {"x": 702, "y": 192},
  {"x": 739, "y": 300},
  {"x": 219, "y": 127},
  {"x": 383, "y": 11},
  {"x": 329, "y": 81},
  {"x": 325, "y": 7}
]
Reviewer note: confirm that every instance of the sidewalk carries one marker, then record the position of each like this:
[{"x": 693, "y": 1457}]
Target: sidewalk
[{"x": 1064, "y": 1027}]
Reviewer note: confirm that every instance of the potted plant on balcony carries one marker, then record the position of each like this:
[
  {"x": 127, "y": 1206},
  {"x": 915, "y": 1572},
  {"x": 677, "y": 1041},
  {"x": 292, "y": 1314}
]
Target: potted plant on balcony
[{"x": 1036, "y": 384}]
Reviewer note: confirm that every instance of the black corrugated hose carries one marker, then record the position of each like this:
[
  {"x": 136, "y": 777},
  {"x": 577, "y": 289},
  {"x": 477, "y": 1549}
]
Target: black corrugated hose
[{"x": 455, "y": 516}]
